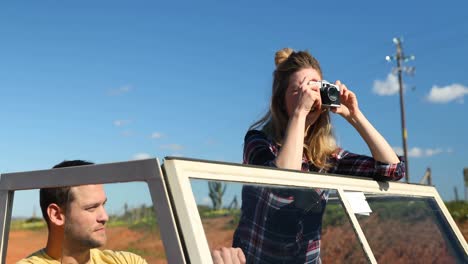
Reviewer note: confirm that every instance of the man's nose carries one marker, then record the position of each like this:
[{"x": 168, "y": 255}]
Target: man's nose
[{"x": 103, "y": 216}]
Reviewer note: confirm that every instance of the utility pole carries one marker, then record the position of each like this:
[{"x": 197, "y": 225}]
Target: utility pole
[
  {"x": 465, "y": 178},
  {"x": 427, "y": 178},
  {"x": 400, "y": 58}
]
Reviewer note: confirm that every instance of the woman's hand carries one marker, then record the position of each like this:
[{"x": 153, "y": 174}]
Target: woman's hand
[
  {"x": 226, "y": 255},
  {"x": 349, "y": 104},
  {"x": 308, "y": 97},
  {"x": 377, "y": 144}
]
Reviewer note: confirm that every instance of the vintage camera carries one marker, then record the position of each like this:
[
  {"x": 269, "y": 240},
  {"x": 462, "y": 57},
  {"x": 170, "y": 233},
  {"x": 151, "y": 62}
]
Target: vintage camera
[{"x": 330, "y": 94}]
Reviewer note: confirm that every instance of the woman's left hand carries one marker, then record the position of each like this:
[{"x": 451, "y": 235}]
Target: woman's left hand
[{"x": 349, "y": 104}]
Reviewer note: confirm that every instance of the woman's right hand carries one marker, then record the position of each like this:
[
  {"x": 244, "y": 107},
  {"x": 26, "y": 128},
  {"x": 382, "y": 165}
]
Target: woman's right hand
[{"x": 308, "y": 93}]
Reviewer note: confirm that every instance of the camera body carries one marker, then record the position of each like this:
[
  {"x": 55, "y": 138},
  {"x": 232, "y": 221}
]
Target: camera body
[{"x": 330, "y": 94}]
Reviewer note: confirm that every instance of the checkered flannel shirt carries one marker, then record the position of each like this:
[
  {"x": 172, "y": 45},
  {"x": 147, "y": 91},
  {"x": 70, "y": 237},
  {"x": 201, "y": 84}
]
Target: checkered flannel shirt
[{"x": 283, "y": 225}]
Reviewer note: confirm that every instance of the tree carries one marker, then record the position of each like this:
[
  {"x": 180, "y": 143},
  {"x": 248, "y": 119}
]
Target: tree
[
  {"x": 217, "y": 190},
  {"x": 234, "y": 204}
]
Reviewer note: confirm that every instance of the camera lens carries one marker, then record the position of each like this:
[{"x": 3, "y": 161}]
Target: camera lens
[{"x": 333, "y": 93}]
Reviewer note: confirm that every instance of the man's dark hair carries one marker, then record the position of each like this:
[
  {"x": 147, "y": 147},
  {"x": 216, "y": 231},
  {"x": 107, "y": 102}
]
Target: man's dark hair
[{"x": 58, "y": 195}]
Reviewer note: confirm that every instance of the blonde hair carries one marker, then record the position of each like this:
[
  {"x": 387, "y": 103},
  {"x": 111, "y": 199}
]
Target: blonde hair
[{"x": 319, "y": 141}]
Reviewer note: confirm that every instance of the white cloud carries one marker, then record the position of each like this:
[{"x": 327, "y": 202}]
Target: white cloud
[
  {"x": 420, "y": 152},
  {"x": 415, "y": 152},
  {"x": 432, "y": 152},
  {"x": 121, "y": 90},
  {"x": 140, "y": 156},
  {"x": 173, "y": 147},
  {"x": 387, "y": 87},
  {"x": 211, "y": 142},
  {"x": 119, "y": 123},
  {"x": 206, "y": 201},
  {"x": 156, "y": 135},
  {"x": 446, "y": 94},
  {"x": 127, "y": 133}
]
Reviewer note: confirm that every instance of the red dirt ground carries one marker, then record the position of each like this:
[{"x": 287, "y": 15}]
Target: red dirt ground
[{"x": 149, "y": 245}]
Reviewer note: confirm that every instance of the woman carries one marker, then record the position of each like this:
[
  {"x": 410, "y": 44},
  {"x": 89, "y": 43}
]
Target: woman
[{"x": 283, "y": 225}]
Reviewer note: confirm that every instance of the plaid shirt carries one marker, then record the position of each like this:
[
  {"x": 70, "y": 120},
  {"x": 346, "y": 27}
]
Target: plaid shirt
[{"x": 283, "y": 225}]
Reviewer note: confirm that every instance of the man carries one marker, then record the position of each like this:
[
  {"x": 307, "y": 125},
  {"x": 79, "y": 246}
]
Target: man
[{"x": 76, "y": 220}]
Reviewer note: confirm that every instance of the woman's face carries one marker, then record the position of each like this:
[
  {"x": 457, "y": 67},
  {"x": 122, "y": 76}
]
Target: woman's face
[{"x": 292, "y": 93}]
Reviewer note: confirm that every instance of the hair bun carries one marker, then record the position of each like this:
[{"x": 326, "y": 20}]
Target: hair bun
[{"x": 282, "y": 55}]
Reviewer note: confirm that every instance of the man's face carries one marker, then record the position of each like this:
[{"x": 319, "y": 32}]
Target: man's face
[{"x": 86, "y": 217}]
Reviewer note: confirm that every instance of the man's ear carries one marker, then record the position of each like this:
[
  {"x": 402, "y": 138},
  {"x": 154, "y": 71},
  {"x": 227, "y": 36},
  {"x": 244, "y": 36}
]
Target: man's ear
[{"x": 56, "y": 214}]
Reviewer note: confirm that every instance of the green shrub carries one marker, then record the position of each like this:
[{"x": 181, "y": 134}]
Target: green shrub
[
  {"x": 28, "y": 224},
  {"x": 334, "y": 215},
  {"x": 458, "y": 210}
]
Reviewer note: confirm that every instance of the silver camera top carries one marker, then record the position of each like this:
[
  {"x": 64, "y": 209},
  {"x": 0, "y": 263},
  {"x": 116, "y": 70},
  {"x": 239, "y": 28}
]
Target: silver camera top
[{"x": 330, "y": 94}]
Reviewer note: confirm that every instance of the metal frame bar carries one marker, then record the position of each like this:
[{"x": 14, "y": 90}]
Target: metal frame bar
[
  {"x": 185, "y": 210},
  {"x": 179, "y": 171},
  {"x": 148, "y": 171},
  {"x": 169, "y": 233},
  {"x": 357, "y": 227},
  {"x": 6, "y": 203}
]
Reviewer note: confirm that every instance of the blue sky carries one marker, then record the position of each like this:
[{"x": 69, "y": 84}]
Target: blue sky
[{"x": 112, "y": 81}]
